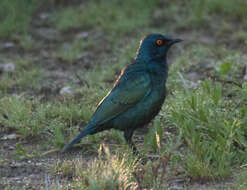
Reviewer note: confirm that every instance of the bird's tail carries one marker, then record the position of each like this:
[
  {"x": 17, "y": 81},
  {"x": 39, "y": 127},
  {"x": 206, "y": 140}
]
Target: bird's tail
[{"x": 89, "y": 129}]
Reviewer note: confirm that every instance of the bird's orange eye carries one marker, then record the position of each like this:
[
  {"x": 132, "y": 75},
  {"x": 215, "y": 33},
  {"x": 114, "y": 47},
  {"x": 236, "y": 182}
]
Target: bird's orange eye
[{"x": 159, "y": 42}]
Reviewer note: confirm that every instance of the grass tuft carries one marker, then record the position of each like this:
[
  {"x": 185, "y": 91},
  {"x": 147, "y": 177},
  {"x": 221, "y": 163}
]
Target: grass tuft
[
  {"x": 113, "y": 17},
  {"x": 16, "y": 16},
  {"x": 108, "y": 172},
  {"x": 210, "y": 132}
]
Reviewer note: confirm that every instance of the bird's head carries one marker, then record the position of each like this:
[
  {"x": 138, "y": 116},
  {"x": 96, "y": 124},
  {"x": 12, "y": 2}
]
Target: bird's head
[{"x": 155, "y": 47}]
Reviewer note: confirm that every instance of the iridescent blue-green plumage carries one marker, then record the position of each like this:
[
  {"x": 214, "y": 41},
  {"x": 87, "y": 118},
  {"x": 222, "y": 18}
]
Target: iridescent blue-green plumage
[{"x": 138, "y": 93}]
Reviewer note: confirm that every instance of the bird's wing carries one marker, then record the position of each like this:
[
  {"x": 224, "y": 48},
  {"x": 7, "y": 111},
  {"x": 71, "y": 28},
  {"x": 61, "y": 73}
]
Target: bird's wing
[{"x": 127, "y": 92}]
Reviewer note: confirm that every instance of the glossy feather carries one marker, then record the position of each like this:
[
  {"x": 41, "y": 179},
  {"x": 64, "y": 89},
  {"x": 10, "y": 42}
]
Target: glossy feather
[{"x": 137, "y": 95}]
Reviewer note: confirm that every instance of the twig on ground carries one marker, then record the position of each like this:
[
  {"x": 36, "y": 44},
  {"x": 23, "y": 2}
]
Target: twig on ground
[
  {"x": 224, "y": 81},
  {"x": 183, "y": 80},
  {"x": 81, "y": 81}
]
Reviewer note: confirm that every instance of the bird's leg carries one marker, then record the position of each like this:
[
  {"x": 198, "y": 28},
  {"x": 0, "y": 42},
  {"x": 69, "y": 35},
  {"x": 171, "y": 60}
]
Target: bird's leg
[{"x": 128, "y": 137}]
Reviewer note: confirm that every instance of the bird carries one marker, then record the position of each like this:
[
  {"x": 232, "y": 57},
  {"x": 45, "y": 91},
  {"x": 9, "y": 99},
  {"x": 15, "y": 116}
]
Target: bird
[{"x": 137, "y": 95}]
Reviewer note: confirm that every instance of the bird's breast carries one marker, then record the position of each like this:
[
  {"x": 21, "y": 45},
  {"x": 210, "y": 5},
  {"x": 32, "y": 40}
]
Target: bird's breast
[{"x": 142, "y": 113}]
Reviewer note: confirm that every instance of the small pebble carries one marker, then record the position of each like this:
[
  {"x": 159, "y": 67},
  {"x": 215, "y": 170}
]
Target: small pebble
[
  {"x": 9, "y": 67},
  {"x": 9, "y": 44},
  {"x": 66, "y": 91},
  {"x": 9, "y": 137}
]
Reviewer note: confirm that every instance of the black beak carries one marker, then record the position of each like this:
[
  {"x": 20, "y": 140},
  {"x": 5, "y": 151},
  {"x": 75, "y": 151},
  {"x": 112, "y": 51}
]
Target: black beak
[
  {"x": 173, "y": 41},
  {"x": 177, "y": 40}
]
